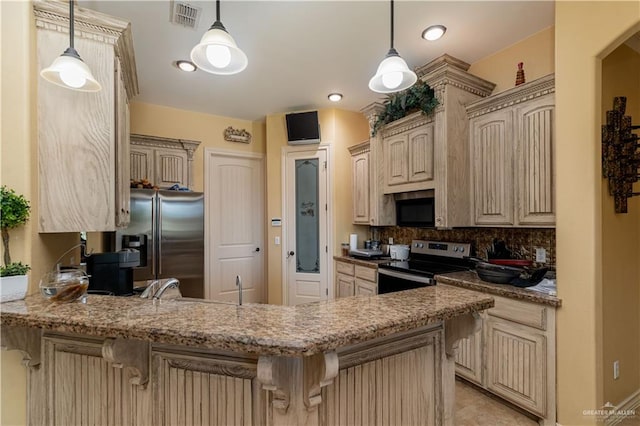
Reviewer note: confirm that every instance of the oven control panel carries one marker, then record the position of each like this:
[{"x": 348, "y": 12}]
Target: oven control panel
[{"x": 441, "y": 248}]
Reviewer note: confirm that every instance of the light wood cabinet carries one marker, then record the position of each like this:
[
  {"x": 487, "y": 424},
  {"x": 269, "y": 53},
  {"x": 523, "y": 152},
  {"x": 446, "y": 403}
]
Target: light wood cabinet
[
  {"x": 345, "y": 285},
  {"x": 162, "y": 161},
  {"x": 513, "y": 355},
  {"x": 82, "y": 137},
  {"x": 360, "y": 183},
  {"x": 409, "y": 156},
  {"x": 430, "y": 153},
  {"x": 356, "y": 280},
  {"x": 512, "y": 142}
]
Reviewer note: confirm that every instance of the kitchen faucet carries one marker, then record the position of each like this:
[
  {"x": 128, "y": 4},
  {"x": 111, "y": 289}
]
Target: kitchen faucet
[
  {"x": 168, "y": 283},
  {"x": 239, "y": 285}
]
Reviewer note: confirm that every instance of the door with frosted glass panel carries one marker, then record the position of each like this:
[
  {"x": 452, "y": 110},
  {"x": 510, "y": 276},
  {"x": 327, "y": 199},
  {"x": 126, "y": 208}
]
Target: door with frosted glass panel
[{"x": 306, "y": 226}]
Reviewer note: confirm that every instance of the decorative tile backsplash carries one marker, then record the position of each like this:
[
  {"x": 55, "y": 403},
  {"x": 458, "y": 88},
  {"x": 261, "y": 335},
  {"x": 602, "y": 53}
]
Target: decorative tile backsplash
[{"x": 524, "y": 241}]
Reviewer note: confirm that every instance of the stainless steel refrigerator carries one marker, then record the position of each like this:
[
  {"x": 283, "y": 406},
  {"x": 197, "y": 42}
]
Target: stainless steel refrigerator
[{"x": 168, "y": 229}]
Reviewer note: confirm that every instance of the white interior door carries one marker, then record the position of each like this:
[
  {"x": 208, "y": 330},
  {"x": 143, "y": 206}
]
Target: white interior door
[
  {"x": 235, "y": 235},
  {"x": 306, "y": 226}
]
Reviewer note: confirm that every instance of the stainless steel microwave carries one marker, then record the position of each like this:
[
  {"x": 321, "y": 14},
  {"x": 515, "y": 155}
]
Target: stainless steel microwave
[{"x": 415, "y": 212}]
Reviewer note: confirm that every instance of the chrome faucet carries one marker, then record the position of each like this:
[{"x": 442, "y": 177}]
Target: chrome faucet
[
  {"x": 151, "y": 289},
  {"x": 239, "y": 285},
  {"x": 168, "y": 283}
]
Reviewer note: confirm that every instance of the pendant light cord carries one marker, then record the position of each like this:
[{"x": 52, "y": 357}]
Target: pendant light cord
[
  {"x": 218, "y": 10},
  {"x": 391, "y": 24},
  {"x": 71, "y": 29}
]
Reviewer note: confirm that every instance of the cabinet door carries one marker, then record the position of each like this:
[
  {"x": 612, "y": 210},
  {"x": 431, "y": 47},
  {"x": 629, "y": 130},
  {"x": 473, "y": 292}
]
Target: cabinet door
[
  {"x": 141, "y": 163},
  {"x": 420, "y": 154},
  {"x": 492, "y": 152},
  {"x": 396, "y": 159},
  {"x": 365, "y": 288},
  {"x": 469, "y": 358},
  {"x": 76, "y": 142},
  {"x": 344, "y": 285},
  {"x": 535, "y": 124},
  {"x": 170, "y": 167},
  {"x": 123, "y": 162},
  {"x": 516, "y": 368},
  {"x": 360, "y": 170}
]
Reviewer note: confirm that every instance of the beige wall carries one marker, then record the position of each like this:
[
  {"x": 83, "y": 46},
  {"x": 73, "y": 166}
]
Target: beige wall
[
  {"x": 536, "y": 51},
  {"x": 620, "y": 250},
  {"x": 156, "y": 120},
  {"x": 19, "y": 171},
  {"x": 579, "y": 49},
  {"x": 340, "y": 129}
]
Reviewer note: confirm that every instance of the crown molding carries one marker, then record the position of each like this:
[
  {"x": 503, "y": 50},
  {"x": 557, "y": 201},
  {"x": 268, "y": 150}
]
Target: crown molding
[
  {"x": 360, "y": 148},
  {"x": 169, "y": 143},
  {"x": 409, "y": 122},
  {"x": 524, "y": 92}
]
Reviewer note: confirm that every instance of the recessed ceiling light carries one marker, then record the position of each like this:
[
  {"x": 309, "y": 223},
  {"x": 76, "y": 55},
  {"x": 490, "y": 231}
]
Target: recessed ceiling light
[
  {"x": 186, "y": 66},
  {"x": 335, "y": 97},
  {"x": 434, "y": 32}
]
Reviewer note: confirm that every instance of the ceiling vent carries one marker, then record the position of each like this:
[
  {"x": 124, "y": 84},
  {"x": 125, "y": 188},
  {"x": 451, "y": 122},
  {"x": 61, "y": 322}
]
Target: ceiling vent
[{"x": 185, "y": 14}]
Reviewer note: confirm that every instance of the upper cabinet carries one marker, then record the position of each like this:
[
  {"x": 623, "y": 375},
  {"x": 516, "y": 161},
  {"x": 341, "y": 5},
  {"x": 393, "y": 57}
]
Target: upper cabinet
[
  {"x": 162, "y": 161},
  {"x": 421, "y": 152},
  {"x": 512, "y": 141},
  {"x": 408, "y": 154},
  {"x": 360, "y": 183},
  {"x": 83, "y": 138}
]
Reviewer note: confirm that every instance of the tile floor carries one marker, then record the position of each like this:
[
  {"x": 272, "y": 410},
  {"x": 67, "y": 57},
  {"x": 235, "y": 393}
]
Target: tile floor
[{"x": 475, "y": 408}]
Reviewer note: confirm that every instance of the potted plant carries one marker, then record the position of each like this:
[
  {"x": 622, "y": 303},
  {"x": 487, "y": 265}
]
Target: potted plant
[
  {"x": 13, "y": 275},
  {"x": 419, "y": 97}
]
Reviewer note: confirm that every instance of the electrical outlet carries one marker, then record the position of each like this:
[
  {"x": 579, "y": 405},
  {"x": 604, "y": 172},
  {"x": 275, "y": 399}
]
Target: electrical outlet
[
  {"x": 616, "y": 370},
  {"x": 541, "y": 255},
  {"x": 390, "y": 240},
  {"x": 277, "y": 241}
]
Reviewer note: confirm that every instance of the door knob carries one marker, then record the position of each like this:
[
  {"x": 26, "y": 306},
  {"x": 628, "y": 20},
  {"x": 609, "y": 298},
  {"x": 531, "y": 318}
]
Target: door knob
[
  {"x": 291, "y": 253},
  {"x": 257, "y": 248}
]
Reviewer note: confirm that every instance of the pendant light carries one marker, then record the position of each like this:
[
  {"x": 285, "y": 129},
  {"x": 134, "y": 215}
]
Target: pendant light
[
  {"x": 69, "y": 70},
  {"x": 217, "y": 52},
  {"x": 393, "y": 74}
]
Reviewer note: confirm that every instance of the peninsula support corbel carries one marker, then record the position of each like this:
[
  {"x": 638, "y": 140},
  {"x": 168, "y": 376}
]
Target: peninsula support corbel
[
  {"x": 296, "y": 385},
  {"x": 25, "y": 340},
  {"x": 132, "y": 354}
]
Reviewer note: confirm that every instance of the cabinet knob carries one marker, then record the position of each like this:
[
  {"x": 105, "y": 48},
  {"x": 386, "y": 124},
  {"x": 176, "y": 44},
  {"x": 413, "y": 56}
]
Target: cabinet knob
[{"x": 122, "y": 210}]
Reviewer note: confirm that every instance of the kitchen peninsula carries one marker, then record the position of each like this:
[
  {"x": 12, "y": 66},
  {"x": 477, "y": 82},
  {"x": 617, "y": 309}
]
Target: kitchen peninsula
[{"x": 366, "y": 360}]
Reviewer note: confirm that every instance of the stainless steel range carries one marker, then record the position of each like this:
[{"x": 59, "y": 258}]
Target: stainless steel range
[{"x": 428, "y": 258}]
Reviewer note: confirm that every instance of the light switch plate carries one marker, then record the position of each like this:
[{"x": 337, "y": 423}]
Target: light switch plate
[
  {"x": 277, "y": 241},
  {"x": 541, "y": 255}
]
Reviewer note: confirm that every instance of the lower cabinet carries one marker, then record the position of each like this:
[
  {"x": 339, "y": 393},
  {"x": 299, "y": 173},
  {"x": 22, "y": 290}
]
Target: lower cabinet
[
  {"x": 356, "y": 280},
  {"x": 513, "y": 356}
]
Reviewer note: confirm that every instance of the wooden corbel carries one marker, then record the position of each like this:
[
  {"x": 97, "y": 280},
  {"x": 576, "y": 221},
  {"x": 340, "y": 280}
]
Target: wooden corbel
[
  {"x": 458, "y": 328},
  {"x": 133, "y": 354},
  {"x": 273, "y": 376},
  {"x": 23, "y": 339},
  {"x": 319, "y": 371}
]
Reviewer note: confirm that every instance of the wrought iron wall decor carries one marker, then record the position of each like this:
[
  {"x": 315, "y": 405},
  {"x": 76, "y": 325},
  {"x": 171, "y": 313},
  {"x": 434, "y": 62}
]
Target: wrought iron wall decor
[
  {"x": 620, "y": 154},
  {"x": 237, "y": 135}
]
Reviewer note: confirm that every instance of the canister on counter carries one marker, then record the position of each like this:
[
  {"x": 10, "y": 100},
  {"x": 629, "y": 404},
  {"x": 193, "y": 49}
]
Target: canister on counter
[{"x": 345, "y": 249}]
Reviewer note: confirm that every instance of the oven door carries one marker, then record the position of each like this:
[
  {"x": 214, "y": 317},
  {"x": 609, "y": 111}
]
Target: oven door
[{"x": 390, "y": 281}]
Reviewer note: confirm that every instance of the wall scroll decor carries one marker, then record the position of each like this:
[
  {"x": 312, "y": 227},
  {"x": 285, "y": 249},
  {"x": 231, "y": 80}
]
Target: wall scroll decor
[
  {"x": 237, "y": 135},
  {"x": 620, "y": 154}
]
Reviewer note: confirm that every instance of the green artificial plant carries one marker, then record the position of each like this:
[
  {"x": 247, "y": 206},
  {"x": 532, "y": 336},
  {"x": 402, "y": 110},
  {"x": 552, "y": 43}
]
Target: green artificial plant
[
  {"x": 419, "y": 97},
  {"x": 15, "y": 212}
]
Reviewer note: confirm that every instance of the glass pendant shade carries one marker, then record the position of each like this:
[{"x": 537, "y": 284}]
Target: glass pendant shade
[
  {"x": 218, "y": 53},
  {"x": 69, "y": 70},
  {"x": 393, "y": 75}
]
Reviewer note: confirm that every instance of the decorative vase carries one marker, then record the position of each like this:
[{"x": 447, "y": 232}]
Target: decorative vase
[
  {"x": 520, "y": 74},
  {"x": 13, "y": 288}
]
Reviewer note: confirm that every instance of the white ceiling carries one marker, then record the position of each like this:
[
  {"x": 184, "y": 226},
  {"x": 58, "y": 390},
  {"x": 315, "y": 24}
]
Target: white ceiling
[{"x": 300, "y": 51}]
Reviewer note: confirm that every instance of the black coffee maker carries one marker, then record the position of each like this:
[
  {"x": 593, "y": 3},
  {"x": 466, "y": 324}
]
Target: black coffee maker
[{"x": 113, "y": 271}]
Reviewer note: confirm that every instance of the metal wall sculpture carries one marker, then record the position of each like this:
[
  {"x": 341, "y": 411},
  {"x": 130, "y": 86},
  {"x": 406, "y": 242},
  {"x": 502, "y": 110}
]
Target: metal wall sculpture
[{"x": 620, "y": 154}]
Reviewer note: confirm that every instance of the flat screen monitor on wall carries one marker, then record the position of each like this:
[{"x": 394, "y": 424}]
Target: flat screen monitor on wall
[{"x": 303, "y": 128}]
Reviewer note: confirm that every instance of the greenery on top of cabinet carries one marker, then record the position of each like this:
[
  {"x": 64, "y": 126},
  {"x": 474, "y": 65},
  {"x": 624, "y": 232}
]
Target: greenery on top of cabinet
[{"x": 419, "y": 97}]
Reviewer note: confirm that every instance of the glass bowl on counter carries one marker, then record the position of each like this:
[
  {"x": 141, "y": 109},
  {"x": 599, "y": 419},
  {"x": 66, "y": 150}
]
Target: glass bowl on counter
[{"x": 66, "y": 285}]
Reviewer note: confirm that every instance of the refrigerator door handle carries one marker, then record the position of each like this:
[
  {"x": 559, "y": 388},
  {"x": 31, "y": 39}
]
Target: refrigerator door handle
[
  {"x": 159, "y": 201},
  {"x": 153, "y": 235}
]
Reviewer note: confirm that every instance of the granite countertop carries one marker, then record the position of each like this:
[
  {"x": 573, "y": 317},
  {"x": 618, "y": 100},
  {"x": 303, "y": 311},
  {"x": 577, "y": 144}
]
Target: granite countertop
[
  {"x": 470, "y": 280},
  {"x": 370, "y": 263},
  {"x": 252, "y": 328}
]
